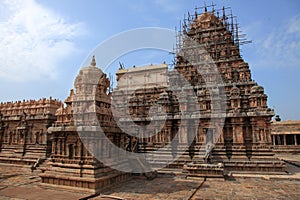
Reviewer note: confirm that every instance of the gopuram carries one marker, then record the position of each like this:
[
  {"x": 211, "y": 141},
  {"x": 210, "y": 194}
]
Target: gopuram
[{"x": 205, "y": 116}]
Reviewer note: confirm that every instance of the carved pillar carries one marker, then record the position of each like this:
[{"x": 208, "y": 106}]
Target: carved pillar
[
  {"x": 41, "y": 138},
  {"x": 9, "y": 137},
  {"x": 59, "y": 146},
  {"x": 234, "y": 134},
  {"x": 253, "y": 135},
  {"x": 63, "y": 143},
  {"x": 24, "y": 136},
  {"x": 17, "y": 137},
  {"x": 183, "y": 133},
  {"x": 268, "y": 136},
  {"x": 257, "y": 136},
  {"x": 84, "y": 151},
  {"x": 284, "y": 140},
  {"x": 28, "y": 137},
  {"x": 220, "y": 135},
  {"x": 295, "y": 139},
  {"x": 53, "y": 146}
]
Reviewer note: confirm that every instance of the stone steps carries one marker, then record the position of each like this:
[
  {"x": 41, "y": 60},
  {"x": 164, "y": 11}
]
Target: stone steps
[{"x": 236, "y": 159}]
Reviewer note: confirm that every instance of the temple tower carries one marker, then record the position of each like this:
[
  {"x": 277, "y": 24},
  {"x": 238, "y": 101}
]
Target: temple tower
[
  {"x": 245, "y": 134},
  {"x": 74, "y": 152}
]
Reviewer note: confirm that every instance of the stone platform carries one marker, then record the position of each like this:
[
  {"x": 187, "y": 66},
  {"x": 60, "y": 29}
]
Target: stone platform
[{"x": 204, "y": 170}]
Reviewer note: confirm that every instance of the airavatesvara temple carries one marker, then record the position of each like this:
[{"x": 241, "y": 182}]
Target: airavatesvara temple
[{"x": 232, "y": 136}]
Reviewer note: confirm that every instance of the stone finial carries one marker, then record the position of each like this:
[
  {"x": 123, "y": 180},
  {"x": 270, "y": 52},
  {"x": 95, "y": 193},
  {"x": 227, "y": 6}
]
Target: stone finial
[{"x": 93, "y": 63}]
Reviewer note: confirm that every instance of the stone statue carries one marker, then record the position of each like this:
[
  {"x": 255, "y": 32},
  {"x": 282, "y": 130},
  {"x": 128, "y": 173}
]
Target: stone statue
[{"x": 23, "y": 118}]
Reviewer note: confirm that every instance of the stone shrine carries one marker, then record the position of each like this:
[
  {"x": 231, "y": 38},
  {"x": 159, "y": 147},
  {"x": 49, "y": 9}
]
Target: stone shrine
[
  {"x": 72, "y": 163},
  {"x": 23, "y": 132}
]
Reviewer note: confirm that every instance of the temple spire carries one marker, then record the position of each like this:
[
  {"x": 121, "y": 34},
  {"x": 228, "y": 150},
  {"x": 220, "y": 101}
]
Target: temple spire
[{"x": 93, "y": 63}]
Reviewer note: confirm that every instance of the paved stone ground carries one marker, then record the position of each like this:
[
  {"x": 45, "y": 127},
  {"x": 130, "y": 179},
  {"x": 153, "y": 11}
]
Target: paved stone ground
[
  {"x": 254, "y": 188},
  {"x": 248, "y": 189},
  {"x": 19, "y": 183},
  {"x": 159, "y": 188},
  {"x": 171, "y": 188}
]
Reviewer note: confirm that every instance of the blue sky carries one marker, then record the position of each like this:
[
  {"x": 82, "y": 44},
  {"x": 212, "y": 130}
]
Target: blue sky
[{"x": 44, "y": 43}]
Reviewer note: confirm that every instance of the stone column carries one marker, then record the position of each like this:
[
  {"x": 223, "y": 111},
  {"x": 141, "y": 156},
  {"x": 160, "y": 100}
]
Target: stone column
[
  {"x": 16, "y": 138},
  {"x": 295, "y": 139},
  {"x": 284, "y": 140},
  {"x": 184, "y": 133},
  {"x": 234, "y": 134},
  {"x": 59, "y": 146},
  {"x": 268, "y": 135},
  {"x": 53, "y": 147},
  {"x": 63, "y": 147},
  {"x": 41, "y": 138}
]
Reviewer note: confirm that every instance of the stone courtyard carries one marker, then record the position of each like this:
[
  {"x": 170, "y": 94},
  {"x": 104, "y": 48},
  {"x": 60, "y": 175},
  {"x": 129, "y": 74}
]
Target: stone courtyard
[{"x": 20, "y": 183}]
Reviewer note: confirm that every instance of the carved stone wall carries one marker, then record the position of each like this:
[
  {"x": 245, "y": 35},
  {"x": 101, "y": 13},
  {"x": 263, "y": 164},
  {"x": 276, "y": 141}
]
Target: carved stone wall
[{"x": 24, "y": 137}]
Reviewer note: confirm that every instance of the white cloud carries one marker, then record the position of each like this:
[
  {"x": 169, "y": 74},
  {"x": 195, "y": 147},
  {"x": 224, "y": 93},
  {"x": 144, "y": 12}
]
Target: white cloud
[
  {"x": 33, "y": 40},
  {"x": 294, "y": 25},
  {"x": 168, "y": 6},
  {"x": 281, "y": 48}
]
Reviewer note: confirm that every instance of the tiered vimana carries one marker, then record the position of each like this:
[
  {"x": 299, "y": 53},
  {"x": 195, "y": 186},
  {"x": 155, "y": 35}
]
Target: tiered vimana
[
  {"x": 74, "y": 152},
  {"x": 244, "y": 142}
]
